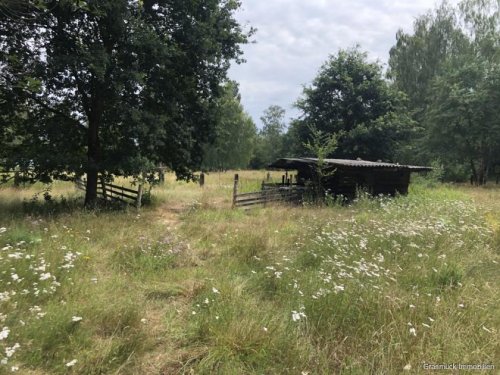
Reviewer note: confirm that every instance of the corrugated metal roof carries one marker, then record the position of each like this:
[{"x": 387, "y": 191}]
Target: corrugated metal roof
[{"x": 294, "y": 163}]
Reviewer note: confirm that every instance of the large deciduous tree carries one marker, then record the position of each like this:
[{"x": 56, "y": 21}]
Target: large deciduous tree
[
  {"x": 350, "y": 98},
  {"x": 112, "y": 86}
]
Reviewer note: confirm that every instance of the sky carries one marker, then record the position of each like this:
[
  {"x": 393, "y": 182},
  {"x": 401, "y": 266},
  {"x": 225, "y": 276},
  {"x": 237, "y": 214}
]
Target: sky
[{"x": 295, "y": 37}]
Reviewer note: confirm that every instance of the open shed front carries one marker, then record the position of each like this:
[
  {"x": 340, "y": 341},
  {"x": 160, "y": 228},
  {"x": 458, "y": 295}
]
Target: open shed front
[{"x": 345, "y": 177}]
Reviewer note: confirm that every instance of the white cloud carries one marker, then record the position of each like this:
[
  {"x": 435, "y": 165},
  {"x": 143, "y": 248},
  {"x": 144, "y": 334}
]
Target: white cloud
[{"x": 295, "y": 37}]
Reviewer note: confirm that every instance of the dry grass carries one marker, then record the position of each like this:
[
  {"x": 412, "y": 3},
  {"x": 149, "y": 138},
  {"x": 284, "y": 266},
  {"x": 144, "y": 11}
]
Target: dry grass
[{"x": 188, "y": 285}]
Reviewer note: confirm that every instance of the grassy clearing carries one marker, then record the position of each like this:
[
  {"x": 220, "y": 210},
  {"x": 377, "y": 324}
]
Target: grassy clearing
[{"x": 191, "y": 286}]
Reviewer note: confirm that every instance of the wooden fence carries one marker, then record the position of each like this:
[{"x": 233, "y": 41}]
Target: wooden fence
[
  {"x": 270, "y": 193},
  {"x": 112, "y": 192}
]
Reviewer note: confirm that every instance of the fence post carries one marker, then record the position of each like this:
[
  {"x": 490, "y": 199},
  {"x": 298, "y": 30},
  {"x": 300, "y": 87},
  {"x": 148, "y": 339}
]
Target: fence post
[
  {"x": 103, "y": 185},
  {"x": 202, "y": 179},
  {"x": 138, "y": 201},
  {"x": 235, "y": 189},
  {"x": 268, "y": 177}
]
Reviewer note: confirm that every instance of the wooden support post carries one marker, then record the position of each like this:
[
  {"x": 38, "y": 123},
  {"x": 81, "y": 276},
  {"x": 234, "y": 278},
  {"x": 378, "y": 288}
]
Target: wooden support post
[
  {"x": 283, "y": 180},
  {"x": 235, "y": 189},
  {"x": 268, "y": 177},
  {"x": 138, "y": 202},
  {"x": 17, "y": 179},
  {"x": 202, "y": 179},
  {"x": 103, "y": 186},
  {"x": 263, "y": 185}
]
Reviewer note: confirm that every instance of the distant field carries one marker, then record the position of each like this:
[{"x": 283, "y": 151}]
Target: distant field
[{"x": 188, "y": 285}]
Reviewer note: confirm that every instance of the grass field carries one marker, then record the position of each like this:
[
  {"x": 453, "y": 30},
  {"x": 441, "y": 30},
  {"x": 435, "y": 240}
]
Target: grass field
[{"x": 189, "y": 285}]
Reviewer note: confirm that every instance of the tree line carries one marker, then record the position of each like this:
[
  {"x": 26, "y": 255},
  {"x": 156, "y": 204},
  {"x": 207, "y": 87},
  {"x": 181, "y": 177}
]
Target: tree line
[
  {"x": 437, "y": 103},
  {"x": 118, "y": 87}
]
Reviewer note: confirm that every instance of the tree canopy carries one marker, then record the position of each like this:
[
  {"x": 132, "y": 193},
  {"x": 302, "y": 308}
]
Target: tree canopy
[
  {"x": 449, "y": 69},
  {"x": 235, "y": 134},
  {"x": 112, "y": 86},
  {"x": 350, "y": 98},
  {"x": 269, "y": 144}
]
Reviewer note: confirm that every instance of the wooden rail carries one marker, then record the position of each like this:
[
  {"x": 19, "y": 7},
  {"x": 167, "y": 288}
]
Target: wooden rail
[
  {"x": 268, "y": 194},
  {"x": 112, "y": 192}
]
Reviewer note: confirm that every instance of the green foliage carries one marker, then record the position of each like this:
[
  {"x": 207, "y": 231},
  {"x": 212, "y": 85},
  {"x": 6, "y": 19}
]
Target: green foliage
[
  {"x": 349, "y": 98},
  {"x": 112, "y": 87},
  {"x": 465, "y": 112},
  {"x": 321, "y": 145},
  {"x": 271, "y": 139},
  {"x": 449, "y": 68},
  {"x": 234, "y": 135}
]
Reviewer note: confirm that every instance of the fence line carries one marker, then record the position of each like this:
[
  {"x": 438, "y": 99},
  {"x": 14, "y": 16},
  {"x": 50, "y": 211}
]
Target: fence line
[
  {"x": 270, "y": 193},
  {"x": 112, "y": 192}
]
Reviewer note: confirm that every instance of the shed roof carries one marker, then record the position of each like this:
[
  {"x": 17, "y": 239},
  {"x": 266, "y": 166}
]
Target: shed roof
[{"x": 297, "y": 163}]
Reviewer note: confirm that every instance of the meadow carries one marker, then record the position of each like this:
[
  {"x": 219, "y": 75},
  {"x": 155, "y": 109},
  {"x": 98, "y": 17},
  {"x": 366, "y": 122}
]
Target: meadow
[{"x": 189, "y": 285}]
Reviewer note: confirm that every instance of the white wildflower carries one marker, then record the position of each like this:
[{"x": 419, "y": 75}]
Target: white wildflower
[
  {"x": 144, "y": 320},
  {"x": 76, "y": 318},
  {"x": 296, "y": 316},
  {"x": 215, "y": 290},
  {"x": 71, "y": 363},
  {"x": 4, "y": 333},
  {"x": 486, "y": 329},
  {"x": 413, "y": 331},
  {"x": 338, "y": 288},
  {"x": 45, "y": 276},
  {"x": 9, "y": 351},
  {"x": 407, "y": 367}
]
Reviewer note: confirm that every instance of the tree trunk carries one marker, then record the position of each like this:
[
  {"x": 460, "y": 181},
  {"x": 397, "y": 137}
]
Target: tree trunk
[
  {"x": 474, "y": 177},
  {"x": 93, "y": 157}
]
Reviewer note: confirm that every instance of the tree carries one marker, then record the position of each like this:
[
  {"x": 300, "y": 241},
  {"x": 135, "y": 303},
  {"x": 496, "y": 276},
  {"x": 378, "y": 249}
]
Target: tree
[
  {"x": 270, "y": 140},
  {"x": 463, "y": 118},
  {"x": 113, "y": 87},
  {"x": 234, "y": 135},
  {"x": 417, "y": 58},
  {"x": 321, "y": 145},
  {"x": 350, "y": 98},
  {"x": 464, "y": 123},
  {"x": 448, "y": 68}
]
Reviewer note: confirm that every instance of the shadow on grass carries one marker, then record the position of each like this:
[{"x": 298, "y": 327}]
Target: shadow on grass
[{"x": 52, "y": 207}]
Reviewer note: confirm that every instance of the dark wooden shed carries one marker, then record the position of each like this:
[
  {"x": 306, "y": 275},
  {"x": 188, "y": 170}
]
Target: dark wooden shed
[{"x": 344, "y": 177}]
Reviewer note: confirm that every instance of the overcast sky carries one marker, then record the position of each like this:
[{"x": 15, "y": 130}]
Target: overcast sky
[{"x": 295, "y": 37}]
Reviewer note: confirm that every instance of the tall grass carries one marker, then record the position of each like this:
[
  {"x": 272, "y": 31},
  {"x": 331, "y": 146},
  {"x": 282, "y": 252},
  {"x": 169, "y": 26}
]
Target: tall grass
[{"x": 188, "y": 285}]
